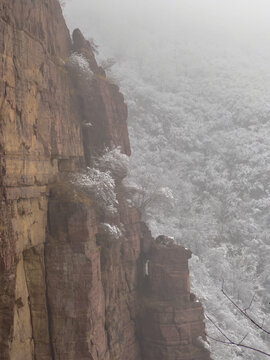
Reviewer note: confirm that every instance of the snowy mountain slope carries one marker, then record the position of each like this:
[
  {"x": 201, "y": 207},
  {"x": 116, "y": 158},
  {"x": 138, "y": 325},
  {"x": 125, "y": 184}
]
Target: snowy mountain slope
[{"x": 206, "y": 137}]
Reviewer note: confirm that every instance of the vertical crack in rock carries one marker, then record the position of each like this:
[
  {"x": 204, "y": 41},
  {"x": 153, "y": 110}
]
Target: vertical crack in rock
[{"x": 50, "y": 325}]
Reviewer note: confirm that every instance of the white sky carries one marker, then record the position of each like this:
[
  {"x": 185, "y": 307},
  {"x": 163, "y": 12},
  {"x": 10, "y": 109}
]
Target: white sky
[{"x": 109, "y": 19}]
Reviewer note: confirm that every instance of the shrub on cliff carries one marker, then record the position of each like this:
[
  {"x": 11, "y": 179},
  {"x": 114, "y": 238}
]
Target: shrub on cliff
[
  {"x": 114, "y": 161},
  {"x": 148, "y": 197},
  {"x": 100, "y": 181},
  {"x": 101, "y": 186},
  {"x": 110, "y": 231},
  {"x": 79, "y": 66}
]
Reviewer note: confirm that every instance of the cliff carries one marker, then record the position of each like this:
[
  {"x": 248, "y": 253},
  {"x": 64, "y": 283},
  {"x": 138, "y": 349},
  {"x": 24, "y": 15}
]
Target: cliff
[{"x": 67, "y": 289}]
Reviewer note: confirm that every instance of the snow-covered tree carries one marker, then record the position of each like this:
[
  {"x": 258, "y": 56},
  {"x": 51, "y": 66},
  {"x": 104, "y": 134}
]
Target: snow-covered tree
[
  {"x": 101, "y": 186},
  {"x": 111, "y": 231},
  {"x": 114, "y": 161},
  {"x": 79, "y": 66}
]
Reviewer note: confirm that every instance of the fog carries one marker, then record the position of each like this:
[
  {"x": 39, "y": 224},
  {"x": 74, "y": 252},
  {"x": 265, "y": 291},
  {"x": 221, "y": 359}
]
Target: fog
[{"x": 124, "y": 25}]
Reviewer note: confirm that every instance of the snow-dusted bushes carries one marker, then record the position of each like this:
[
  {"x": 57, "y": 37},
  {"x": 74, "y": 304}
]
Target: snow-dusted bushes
[
  {"x": 100, "y": 181},
  {"x": 101, "y": 186},
  {"x": 79, "y": 65},
  {"x": 111, "y": 231},
  {"x": 109, "y": 170},
  {"x": 114, "y": 161},
  {"x": 146, "y": 196}
]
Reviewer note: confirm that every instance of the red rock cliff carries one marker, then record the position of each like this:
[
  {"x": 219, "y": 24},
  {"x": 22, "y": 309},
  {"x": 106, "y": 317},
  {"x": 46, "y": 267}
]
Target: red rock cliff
[{"x": 67, "y": 290}]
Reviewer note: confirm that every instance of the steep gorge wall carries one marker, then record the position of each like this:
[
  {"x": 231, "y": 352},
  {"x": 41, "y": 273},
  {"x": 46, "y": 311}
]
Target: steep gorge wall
[{"x": 67, "y": 291}]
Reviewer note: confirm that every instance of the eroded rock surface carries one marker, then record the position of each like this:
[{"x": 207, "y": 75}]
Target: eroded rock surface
[
  {"x": 171, "y": 319},
  {"x": 67, "y": 291}
]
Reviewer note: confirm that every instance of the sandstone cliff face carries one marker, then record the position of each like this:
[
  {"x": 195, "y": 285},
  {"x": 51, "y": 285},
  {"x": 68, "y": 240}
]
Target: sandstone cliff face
[{"x": 68, "y": 291}]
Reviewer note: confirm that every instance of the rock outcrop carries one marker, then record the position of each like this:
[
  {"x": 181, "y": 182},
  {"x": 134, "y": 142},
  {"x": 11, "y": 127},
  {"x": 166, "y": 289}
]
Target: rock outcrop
[
  {"x": 171, "y": 319},
  {"x": 68, "y": 290}
]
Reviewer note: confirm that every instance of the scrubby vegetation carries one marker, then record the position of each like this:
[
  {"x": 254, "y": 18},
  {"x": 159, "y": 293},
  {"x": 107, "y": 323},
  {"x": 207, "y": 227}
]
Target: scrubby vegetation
[
  {"x": 79, "y": 66},
  {"x": 101, "y": 180},
  {"x": 112, "y": 232},
  {"x": 114, "y": 161},
  {"x": 101, "y": 186}
]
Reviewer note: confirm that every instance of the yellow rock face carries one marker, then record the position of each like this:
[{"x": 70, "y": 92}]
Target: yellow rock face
[
  {"x": 39, "y": 126},
  {"x": 22, "y": 347}
]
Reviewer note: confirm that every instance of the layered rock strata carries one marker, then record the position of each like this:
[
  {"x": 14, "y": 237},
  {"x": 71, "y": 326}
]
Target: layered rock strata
[
  {"x": 67, "y": 290},
  {"x": 171, "y": 319}
]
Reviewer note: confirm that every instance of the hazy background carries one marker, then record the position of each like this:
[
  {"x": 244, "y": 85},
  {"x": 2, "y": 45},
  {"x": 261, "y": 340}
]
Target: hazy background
[
  {"x": 125, "y": 23},
  {"x": 196, "y": 79}
]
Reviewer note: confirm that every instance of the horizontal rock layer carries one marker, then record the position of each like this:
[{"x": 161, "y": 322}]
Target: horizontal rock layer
[{"x": 68, "y": 291}]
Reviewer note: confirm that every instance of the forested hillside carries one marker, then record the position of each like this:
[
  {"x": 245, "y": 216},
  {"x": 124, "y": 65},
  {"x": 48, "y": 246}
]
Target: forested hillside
[{"x": 206, "y": 137}]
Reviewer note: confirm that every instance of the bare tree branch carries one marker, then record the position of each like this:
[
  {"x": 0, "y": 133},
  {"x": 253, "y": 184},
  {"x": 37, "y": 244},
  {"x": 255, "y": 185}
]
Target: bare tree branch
[
  {"x": 244, "y": 338},
  {"x": 227, "y": 340},
  {"x": 218, "y": 328},
  {"x": 239, "y": 345},
  {"x": 232, "y": 342},
  {"x": 249, "y": 306},
  {"x": 243, "y": 312}
]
